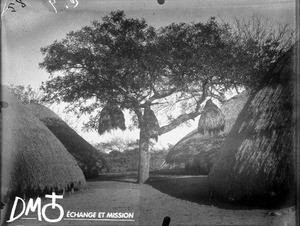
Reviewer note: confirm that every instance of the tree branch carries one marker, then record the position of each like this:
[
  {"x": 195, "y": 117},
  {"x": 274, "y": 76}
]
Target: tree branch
[
  {"x": 162, "y": 95},
  {"x": 184, "y": 117},
  {"x": 218, "y": 97}
]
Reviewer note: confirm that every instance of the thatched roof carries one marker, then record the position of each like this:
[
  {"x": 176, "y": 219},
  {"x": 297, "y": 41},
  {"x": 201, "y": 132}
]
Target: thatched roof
[
  {"x": 111, "y": 117},
  {"x": 256, "y": 160},
  {"x": 32, "y": 158},
  {"x": 193, "y": 145},
  {"x": 201, "y": 162},
  {"x": 89, "y": 159},
  {"x": 211, "y": 120},
  {"x": 188, "y": 147},
  {"x": 232, "y": 108}
]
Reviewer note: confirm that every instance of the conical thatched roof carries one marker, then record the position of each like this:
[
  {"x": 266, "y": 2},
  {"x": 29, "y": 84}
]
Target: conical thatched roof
[
  {"x": 32, "y": 158},
  {"x": 196, "y": 146},
  {"x": 211, "y": 120},
  {"x": 202, "y": 161},
  {"x": 232, "y": 108},
  {"x": 256, "y": 160},
  {"x": 111, "y": 117},
  {"x": 186, "y": 149},
  {"x": 89, "y": 159}
]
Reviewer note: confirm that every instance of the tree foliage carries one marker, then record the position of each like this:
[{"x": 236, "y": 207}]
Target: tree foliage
[
  {"x": 106, "y": 60},
  {"x": 26, "y": 94},
  {"x": 117, "y": 144},
  {"x": 258, "y": 44},
  {"x": 127, "y": 63},
  {"x": 131, "y": 64}
]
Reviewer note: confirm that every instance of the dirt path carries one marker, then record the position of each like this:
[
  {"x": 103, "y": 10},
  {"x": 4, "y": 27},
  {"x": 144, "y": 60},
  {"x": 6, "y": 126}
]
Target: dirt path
[{"x": 150, "y": 205}]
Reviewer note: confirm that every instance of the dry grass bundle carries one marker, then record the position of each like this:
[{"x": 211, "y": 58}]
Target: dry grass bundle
[
  {"x": 256, "y": 160},
  {"x": 33, "y": 160},
  {"x": 196, "y": 150},
  {"x": 211, "y": 120},
  {"x": 89, "y": 159},
  {"x": 111, "y": 117}
]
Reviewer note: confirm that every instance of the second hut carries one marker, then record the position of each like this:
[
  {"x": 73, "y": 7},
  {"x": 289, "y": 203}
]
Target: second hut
[
  {"x": 196, "y": 151},
  {"x": 89, "y": 159}
]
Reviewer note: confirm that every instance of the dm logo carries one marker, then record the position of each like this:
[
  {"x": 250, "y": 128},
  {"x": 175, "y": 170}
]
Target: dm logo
[{"x": 37, "y": 205}]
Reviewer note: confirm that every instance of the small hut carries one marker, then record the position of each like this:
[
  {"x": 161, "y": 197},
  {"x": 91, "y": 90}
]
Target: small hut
[
  {"x": 256, "y": 162},
  {"x": 89, "y": 159},
  {"x": 196, "y": 150},
  {"x": 33, "y": 160}
]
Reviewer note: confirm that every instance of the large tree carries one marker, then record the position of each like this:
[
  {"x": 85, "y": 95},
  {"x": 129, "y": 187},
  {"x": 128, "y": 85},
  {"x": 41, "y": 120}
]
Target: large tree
[{"x": 123, "y": 63}]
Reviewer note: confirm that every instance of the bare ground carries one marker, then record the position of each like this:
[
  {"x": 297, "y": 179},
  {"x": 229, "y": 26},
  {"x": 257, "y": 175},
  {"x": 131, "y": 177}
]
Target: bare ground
[{"x": 183, "y": 198}]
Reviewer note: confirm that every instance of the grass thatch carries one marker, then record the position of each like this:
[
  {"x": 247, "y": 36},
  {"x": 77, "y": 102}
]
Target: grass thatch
[
  {"x": 256, "y": 160},
  {"x": 196, "y": 151},
  {"x": 211, "y": 120},
  {"x": 186, "y": 149},
  {"x": 89, "y": 159},
  {"x": 33, "y": 160},
  {"x": 111, "y": 117},
  {"x": 201, "y": 163},
  {"x": 232, "y": 108}
]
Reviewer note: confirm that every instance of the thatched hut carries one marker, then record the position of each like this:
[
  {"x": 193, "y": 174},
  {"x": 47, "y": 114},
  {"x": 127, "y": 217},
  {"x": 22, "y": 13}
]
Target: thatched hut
[
  {"x": 196, "y": 150},
  {"x": 256, "y": 162},
  {"x": 89, "y": 159},
  {"x": 33, "y": 160}
]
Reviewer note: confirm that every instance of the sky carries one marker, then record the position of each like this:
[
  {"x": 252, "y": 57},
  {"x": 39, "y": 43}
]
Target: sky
[{"x": 37, "y": 23}]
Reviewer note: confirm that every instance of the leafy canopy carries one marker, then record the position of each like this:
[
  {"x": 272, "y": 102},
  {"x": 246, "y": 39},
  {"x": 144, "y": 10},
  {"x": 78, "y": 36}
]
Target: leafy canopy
[
  {"x": 126, "y": 62},
  {"x": 26, "y": 94},
  {"x": 108, "y": 60}
]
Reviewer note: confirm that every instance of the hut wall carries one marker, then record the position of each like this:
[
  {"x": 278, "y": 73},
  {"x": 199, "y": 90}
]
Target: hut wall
[
  {"x": 256, "y": 160},
  {"x": 33, "y": 160}
]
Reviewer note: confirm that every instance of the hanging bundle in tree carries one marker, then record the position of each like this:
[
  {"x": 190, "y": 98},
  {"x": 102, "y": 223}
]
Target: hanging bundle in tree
[
  {"x": 152, "y": 123},
  {"x": 111, "y": 117},
  {"x": 212, "y": 120}
]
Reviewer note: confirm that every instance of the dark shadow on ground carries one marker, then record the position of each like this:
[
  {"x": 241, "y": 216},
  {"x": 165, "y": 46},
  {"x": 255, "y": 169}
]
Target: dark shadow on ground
[
  {"x": 196, "y": 189},
  {"x": 193, "y": 188},
  {"x": 127, "y": 177}
]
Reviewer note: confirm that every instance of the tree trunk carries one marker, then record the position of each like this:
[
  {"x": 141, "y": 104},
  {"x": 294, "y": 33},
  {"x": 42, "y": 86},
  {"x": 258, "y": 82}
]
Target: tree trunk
[{"x": 144, "y": 164}]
